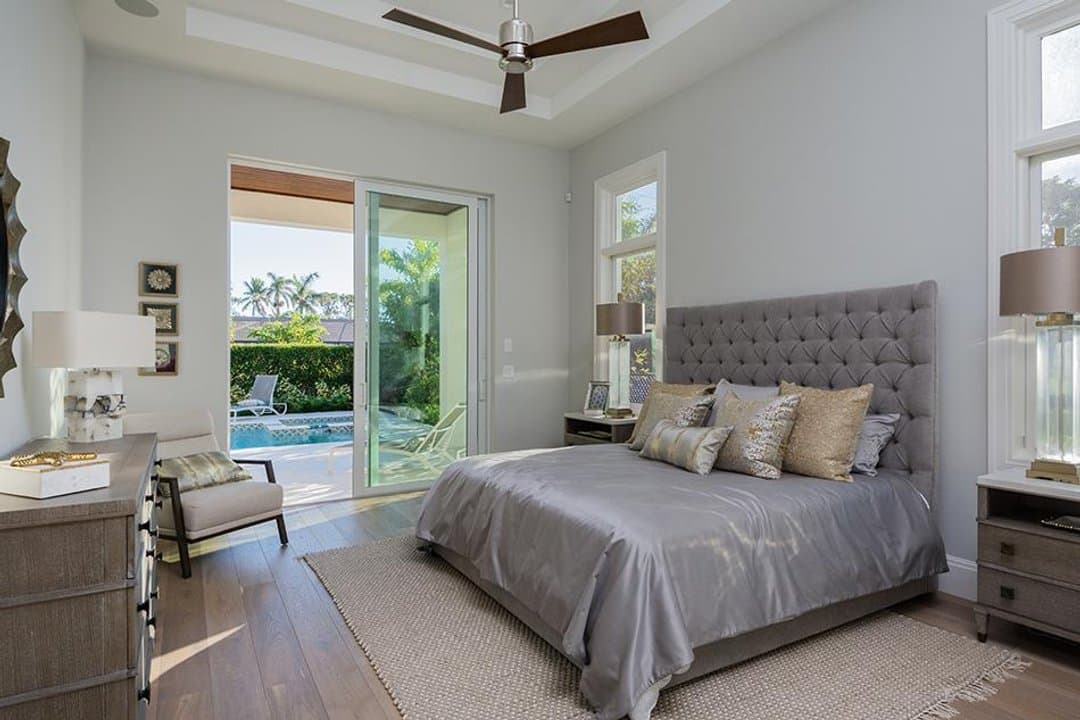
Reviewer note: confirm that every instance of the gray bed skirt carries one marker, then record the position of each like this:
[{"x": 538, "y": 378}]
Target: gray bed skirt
[{"x": 729, "y": 651}]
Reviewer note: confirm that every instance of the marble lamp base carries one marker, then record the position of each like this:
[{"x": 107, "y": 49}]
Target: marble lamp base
[{"x": 94, "y": 406}]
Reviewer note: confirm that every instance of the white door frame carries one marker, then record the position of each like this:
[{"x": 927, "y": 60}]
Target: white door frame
[{"x": 477, "y": 426}]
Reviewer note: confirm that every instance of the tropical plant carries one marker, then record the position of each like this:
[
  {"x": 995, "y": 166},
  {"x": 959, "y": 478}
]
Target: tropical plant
[
  {"x": 255, "y": 298},
  {"x": 280, "y": 292},
  {"x": 301, "y": 329},
  {"x": 302, "y": 295}
]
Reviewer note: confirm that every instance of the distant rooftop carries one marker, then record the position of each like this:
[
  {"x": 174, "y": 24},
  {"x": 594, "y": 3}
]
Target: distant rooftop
[{"x": 339, "y": 331}]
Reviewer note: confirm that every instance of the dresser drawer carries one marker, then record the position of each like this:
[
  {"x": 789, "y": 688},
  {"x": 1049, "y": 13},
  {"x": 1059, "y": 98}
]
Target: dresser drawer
[
  {"x": 1033, "y": 553},
  {"x": 1051, "y": 604}
]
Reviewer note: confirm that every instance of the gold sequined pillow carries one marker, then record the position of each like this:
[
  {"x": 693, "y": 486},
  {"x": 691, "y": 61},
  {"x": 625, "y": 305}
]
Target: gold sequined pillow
[
  {"x": 826, "y": 432},
  {"x": 691, "y": 448},
  {"x": 683, "y": 411},
  {"x": 761, "y": 427},
  {"x": 657, "y": 389}
]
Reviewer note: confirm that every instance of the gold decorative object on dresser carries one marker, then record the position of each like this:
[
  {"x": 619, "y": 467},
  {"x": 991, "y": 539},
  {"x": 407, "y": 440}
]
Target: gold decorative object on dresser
[
  {"x": 1029, "y": 570},
  {"x": 78, "y": 591}
]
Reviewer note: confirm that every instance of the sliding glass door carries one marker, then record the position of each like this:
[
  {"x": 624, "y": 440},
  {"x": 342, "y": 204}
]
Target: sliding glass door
[{"x": 421, "y": 270}]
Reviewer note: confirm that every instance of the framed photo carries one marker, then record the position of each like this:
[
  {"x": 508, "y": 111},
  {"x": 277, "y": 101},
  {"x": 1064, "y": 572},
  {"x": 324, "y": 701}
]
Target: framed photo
[
  {"x": 166, "y": 316},
  {"x": 166, "y": 353},
  {"x": 159, "y": 279},
  {"x": 596, "y": 397}
]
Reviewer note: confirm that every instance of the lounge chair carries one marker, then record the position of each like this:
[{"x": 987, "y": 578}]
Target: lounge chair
[
  {"x": 260, "y": 401},
  {"x": 430, "y": 449}
]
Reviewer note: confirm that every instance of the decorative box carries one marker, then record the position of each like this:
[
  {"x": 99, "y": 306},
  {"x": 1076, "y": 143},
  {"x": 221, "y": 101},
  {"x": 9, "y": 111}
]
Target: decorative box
[{"x": 45, "y": 481}]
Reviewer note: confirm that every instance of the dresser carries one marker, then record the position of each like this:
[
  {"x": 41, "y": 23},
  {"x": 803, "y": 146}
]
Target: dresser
[
  {"x": 1028, "y": 573},
  {"x": 582, "y": 429},
  {"x": 78, "y": 589}
]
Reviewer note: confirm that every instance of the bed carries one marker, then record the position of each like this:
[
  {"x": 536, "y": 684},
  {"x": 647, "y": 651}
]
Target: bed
[{"x": 646, "y": 575}]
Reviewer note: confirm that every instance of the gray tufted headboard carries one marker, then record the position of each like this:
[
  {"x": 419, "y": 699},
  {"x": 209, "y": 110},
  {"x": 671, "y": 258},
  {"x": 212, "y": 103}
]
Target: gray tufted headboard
[{"x": 838, "y": 340}]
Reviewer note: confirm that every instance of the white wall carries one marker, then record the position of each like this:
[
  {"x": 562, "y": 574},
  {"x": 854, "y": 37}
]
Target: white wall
[
  {"x": 157, "y": 142},
  {"x": 848, "y": 154},
  {"x": 41, "y": 52}
]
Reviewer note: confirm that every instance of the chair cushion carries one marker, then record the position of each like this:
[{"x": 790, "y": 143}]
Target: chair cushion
[
  {"x": 201, "y": 470},
  {"x": 214, "y": 509}
]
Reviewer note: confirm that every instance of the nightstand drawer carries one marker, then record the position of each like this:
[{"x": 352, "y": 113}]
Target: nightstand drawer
[
  {"x": 1052, "y": 604},
  {"x": 1034, "y": 553}
]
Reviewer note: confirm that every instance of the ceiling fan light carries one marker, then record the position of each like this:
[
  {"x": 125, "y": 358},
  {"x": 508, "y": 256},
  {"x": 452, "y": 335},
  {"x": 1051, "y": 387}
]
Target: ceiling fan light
[{"x": 142, "y": 8}]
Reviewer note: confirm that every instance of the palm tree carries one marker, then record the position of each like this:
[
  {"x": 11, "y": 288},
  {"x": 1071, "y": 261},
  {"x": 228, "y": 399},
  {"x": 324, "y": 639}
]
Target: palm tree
[
  {"x": 256, "y": 297},
  {"x": 302, "y": 295},
  {"x": 280, "y": 292},
  {"x": 329, "y": 304}
]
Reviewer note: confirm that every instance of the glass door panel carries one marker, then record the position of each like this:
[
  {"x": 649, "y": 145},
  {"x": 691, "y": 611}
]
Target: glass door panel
[{"x": 418, "y": 336}]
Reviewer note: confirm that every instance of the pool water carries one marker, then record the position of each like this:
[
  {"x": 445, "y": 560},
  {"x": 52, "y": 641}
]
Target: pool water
[{"x": 338, "y": 429}]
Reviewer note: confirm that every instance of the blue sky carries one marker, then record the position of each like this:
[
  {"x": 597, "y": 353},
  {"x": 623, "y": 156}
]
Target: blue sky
[{"x": 258, "y": 249}]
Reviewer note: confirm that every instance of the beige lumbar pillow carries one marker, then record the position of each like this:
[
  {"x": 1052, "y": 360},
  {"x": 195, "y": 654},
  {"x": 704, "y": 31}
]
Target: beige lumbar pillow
[
  {"x": 690, "y": 448},
  {"x": 826, "y": 432},
  {"x": 684, "y": 411},
  {"x": 657, "y": 389},
  {"x": 761, "y": 427}
]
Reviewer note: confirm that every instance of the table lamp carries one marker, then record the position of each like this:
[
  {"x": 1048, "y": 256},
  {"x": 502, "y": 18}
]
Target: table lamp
[
  {"x": 618, "y": 320},
  {"x": 91, "y": 345},
  {"x": 1046, "y": 283}
]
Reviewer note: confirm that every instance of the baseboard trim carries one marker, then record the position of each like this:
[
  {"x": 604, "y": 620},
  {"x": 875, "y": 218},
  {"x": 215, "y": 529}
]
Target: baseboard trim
[{"x": 962, "y": 578}]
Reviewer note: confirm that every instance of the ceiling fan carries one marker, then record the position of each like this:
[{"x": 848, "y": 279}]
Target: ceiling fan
[{"x": 518, "y": 50}]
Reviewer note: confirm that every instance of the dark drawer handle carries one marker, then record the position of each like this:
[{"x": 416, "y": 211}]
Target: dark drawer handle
[
  {"x": 144, "y": 694},
  {"x": 1008, "y": 593},
  {"x": 145, "y": 525},
  {"x": 151, "y": 622},
  {"x": 1008, "y": 549},
  {"x": 151, "y": 554},
  {"x": 159, "y": 503},
  {"x": 144, "y": 606}
]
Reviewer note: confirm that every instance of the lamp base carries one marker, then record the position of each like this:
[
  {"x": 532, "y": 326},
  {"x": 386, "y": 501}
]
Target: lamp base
[
  {"x": 1054, "y": 470},
  {"x": 94, "y": 406}
]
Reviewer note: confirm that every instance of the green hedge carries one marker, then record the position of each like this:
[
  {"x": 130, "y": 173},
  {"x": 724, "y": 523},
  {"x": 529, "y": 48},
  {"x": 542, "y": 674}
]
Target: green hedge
[{"x": 311, "y": 378}]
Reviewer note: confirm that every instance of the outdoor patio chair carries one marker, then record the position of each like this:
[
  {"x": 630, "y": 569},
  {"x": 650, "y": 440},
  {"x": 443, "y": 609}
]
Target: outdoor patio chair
[
  {"x": 260, "y": 401},
  {"x": 432, "y": 446},
  {"x": 206, "y": 512}
]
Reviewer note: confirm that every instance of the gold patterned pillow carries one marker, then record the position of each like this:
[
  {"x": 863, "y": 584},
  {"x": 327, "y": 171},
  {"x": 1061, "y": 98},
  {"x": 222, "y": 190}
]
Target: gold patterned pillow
[
  {"x": 661, "y": 405},
  {"x": 691, "y": 448},
  {"x": 826, "y": 432},
  {"x": 761, "y": 427}
]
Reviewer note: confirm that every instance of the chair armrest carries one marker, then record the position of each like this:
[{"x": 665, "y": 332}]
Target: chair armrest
[{"x": 268, "y": 466}]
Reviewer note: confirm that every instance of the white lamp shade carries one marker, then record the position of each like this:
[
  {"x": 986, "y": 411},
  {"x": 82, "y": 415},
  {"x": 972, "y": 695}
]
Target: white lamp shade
[{"x": 92, "y": 340}]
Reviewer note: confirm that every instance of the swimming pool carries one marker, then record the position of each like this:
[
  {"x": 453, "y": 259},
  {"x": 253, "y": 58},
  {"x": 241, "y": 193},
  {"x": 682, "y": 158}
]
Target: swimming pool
[{"x": 315, "y": 429}]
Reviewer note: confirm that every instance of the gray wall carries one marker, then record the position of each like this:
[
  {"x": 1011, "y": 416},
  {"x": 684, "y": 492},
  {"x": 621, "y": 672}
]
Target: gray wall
[
  {"x": 850, "y": 153},
  {"x": 157, "y": 144},
  {"x": 41, "y": 53}
]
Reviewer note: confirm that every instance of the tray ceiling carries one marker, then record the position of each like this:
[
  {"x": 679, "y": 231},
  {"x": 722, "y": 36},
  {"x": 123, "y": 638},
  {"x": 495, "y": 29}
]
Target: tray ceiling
[{"x": 343, "y": 50}]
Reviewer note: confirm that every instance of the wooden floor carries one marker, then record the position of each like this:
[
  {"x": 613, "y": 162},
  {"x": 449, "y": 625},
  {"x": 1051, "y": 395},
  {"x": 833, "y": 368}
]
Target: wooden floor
[{"x": 253, "y": 634}]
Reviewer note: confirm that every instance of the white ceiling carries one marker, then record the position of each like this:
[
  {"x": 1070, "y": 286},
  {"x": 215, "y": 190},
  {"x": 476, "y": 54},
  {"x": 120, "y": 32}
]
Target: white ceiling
[{"x": 343, "y": 50}]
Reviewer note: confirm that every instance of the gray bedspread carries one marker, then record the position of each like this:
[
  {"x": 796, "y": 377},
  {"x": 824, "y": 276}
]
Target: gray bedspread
[{"x": 635, "y": 563}]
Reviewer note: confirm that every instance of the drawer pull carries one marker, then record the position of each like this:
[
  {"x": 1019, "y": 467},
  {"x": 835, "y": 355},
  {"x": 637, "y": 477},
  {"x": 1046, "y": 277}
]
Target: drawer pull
[
  {"x": 144, "y": 606},
  {"x": 159, "y": 503},
  {"x": 151, "y": 622},
  {"x": 144, "y": 694},
  {"x": 145, "y": 525},
  {"x": 1008, "y": 549},
  {"x": 151, "y": 554},
  {"x": 1008, "y": 593}
]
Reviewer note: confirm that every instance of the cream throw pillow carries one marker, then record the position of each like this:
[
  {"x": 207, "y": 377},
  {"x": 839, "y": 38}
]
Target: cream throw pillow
[
  {"x": 637, "y": 438},
  {"x": 826, "y": 432},
  {"x": 691, "y": 448},
  {"x": 682, "y": 411},
  {"x": 756, "y": 444}
]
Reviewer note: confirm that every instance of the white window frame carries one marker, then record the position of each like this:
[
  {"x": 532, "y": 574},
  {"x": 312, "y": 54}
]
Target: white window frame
[
  {"x": 1017, "y": 146},
  {"x": 608, "y": 248}
]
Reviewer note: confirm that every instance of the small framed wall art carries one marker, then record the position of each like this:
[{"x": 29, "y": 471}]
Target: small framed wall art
[
  {"x": 166, "y": 316},
  {"x": 159, "y": 279},
  {"x": 166, "y": 360},
  {"x": 596, "y": 397}
]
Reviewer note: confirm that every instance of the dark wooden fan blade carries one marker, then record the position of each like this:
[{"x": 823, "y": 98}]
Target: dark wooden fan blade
[
  {"x": 513, "y": 93},
  {"x": 415, "y": 21},
  {"x": 624, "y": 29}
]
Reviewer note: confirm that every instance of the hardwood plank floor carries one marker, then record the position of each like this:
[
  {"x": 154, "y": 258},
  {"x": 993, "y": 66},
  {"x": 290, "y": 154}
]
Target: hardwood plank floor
[{"x": 253, "y": 634}]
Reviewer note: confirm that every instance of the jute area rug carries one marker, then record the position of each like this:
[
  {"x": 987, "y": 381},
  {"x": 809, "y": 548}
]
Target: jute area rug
[{"x": 445, "y": 650}]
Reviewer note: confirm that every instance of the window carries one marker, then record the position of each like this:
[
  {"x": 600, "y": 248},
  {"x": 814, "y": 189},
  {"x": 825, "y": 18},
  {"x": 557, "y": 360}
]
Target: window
[
  {"x": 629, "y": 260},
  {"x": 1034, "y": 151}
]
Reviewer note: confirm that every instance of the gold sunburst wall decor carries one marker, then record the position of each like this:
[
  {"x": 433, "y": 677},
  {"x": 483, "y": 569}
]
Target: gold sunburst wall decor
[{"x": 12, "y": 277}]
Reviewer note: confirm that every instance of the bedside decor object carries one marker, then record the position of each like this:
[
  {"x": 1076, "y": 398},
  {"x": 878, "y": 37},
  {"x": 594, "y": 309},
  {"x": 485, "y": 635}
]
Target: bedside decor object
[
  {"x": 1046, "y": 283},
  {"x": 50, "y": 473},
  {"x": 585, "y": 429},
  {"x": 596, "y": 397},
  {"x": 1064, "y": 522},
  {"x": 159, "y": 279},
  {"x": 618, "y": 320},
  {"x": 12, "y": 277},
  {"x": 91, "y": 345},
  {"x": 165, "y": 364},
  {"x": 166, "y": 316}
]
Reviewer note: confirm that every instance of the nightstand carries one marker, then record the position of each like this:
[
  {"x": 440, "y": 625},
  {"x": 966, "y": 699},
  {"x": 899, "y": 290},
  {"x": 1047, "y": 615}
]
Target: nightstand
[
  {"x": 582, "y": 429},
  {"x": 1028, "y": 573}
]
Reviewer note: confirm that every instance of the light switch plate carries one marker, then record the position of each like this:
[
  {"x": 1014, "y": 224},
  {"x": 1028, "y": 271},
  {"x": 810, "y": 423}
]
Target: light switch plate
[
  {"x": 508, "y": 372},
  {"x": 508, "y": 345}
]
